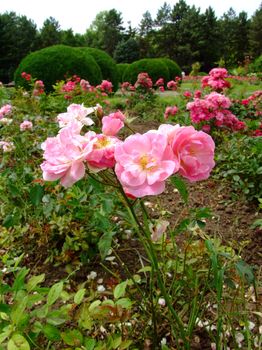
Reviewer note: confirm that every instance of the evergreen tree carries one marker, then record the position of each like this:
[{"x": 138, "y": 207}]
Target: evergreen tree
[
  {"x": 17, "y": 38},
  {"x": 50, "y": 34},
  {"x": 255, "y": 33}
]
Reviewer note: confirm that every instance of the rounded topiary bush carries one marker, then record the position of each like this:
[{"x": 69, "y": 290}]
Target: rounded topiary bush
[
  {"x": 105, "y": 62},
  {"x": 173, "y": 68},
  {"x": 155, "y": 67},
  {"x": 57, "y": 62},
  {"x": 121, "y": 67}
]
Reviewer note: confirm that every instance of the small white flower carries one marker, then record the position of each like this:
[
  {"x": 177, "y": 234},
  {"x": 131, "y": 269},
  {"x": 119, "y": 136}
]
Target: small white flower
[
  {"x": 101, "y": 288},
  {"x": 161, "y": 302},
  {"x": 100, "y": 280},
  {"x": 239, "y": 337},
  {"x": 163, "y": 341},
  {"x": 92, "y": 275}
]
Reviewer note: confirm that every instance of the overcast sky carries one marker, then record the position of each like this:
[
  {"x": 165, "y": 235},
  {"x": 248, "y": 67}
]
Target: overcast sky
[{"x": 78, "y": 14}]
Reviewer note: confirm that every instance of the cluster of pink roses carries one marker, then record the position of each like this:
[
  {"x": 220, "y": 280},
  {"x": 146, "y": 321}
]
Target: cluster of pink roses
[
  {"x": 126, "y": 86},
  {"x": 105, "y": 87},
  {"x": 258, "y": 132},
  {"x": 5, "y": 110},
  {"x": 254, "y": 101},
  {"x": 26, "y": 76},
  {"x": 216, "y": 79},
  {"x": 38, "y": 88},
  {"x": 144, "y": 82},
  {"x": 172, "y": 85},
  {"x": 214, "y": 107},
  {"x": 170, "y": 111},
  {"x": 142, "y": 162}
]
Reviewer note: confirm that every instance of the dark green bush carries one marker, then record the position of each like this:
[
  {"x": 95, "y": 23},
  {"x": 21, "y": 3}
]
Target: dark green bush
[
  {"x": 105, "y": 62},
  {"x": 173, "y": 68},
  {"x": 56, "y": 63},
  {"x": 121, "y": 67},
  {"x": 155, "y": 67},
  {"x": 256, "y": 66}
]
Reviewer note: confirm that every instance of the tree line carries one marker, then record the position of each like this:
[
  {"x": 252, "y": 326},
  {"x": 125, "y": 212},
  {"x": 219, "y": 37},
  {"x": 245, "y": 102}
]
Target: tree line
[{"x": 180, "y": 32}]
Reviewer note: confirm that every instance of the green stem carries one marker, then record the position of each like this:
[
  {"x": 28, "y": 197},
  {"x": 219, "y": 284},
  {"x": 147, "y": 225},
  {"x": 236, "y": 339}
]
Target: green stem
[{"x": 148, "y": 245}]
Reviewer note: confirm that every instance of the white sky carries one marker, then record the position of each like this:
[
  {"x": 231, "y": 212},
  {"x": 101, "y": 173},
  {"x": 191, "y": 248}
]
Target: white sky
[{"x": 78, "y": 14}]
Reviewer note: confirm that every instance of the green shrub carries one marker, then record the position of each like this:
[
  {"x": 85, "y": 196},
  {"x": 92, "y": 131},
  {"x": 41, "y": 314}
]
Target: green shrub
[
  {"x": 56, "y": 63},
  {"x": 105, "y": 62},
  {"x": 155, "y": 67},
  {"x": 173, "y": 68},
  {"x": 121, "y": 67},
  {"x": 256, "y": 66},
  {"x": 240, "y": 162}
]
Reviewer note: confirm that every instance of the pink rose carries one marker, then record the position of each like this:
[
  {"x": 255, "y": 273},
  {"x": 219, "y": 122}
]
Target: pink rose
[
  {"x": 111, "y": 126},
  {"x": 195, "y": 153},
  {"x": 102, "y": 155},
  {"x": 143, "y": 163},
  {"x": 26, "y": 125},
  {"x": 64, "y": 156}
]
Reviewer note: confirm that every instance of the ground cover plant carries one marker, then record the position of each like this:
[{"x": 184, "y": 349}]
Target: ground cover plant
[{"x": 131, "y": 220}]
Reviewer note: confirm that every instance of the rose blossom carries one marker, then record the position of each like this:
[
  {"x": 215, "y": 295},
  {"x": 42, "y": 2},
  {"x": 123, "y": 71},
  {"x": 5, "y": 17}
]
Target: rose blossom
[
  {"x": 102, "y": 154},
  {"x": 195, "y": 153},
  {"x": 112, "y": 123},
  {"x": 76, "y": 112},
  {"x": 64, "y": 156},
  {"x": 7, "y": 146},
  {"x": 144, "y": 162},
  {"x": 5, "y": 110},
  {"x": 26, "y": 125}
]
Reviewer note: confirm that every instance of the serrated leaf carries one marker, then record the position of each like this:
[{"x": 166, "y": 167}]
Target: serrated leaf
[
  {"x": 90, "y": 343},
  {"x": 120, "y": 290},
  {"x": 180, "y": 185},
  {"x": 79, "y": 296},
  {"x": 54, "y": 293}
]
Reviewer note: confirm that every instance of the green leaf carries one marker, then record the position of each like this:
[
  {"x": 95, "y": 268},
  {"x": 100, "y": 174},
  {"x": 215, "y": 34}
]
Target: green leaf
[
  {"x": 124, "y": 302},
  {"x": 90, "y": 343},
  {"x": 120, "y": 290},
  {"x": 5, "y": 308},
  {"x": 245, "y": 271},
  {"x": 79, "y": 296},
  {"x": 54, "y": 293},
  {"x": 20, "y": 279},
  {"x": 104, "y": 243},
  {"x": 18, "y": 342},
  {"x": 73, "y": 338},
  {"x": 56, "y": 317},
  {"x": 36, "y": 194},
  {"x": 34, "y": 281},
  {"x": 17, "y": 312},
  {"x": 180, "y": 185},
  {"x": 51, "y": 332},
  {"x": 125, "y": 344}
]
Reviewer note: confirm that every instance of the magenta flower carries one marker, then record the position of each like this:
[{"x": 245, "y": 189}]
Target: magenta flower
[
  {"x": 144, "y": 162},
  {"x": 170, "y": 111},
  {"x": 172, "y": 85}
]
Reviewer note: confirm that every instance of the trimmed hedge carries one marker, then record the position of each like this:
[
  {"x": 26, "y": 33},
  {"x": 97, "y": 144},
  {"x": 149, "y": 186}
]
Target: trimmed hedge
[
  {"x": 121, "y": 67},
  {"x": 155, "y": 67},
  {"x": 105, "y": 62},
  {"x": 57, "y": 62},
  {"x": 173, "y": 68}
]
